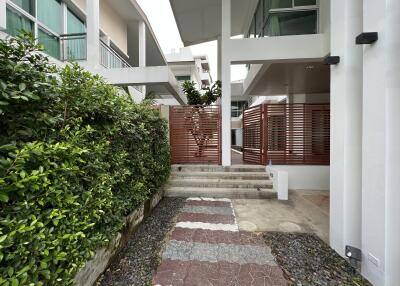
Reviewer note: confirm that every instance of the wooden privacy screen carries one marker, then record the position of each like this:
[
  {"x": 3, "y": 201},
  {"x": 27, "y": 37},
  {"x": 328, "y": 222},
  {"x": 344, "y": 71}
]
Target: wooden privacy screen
[
  {"x": 195, "y": 134},
  {"x": 287, "y": 134}
]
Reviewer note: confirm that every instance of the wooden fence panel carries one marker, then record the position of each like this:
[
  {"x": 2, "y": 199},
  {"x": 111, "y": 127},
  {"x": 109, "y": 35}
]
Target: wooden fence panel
[
  {"x": 195, "y": 134},
  {"x": 288, "y": 134}
]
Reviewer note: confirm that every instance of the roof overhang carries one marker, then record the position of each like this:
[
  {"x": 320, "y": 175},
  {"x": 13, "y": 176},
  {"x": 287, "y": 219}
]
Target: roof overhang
[{"x": 199, "y": 21}]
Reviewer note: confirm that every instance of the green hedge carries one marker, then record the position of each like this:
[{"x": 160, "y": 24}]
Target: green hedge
[{"x": 76, "y": 156}]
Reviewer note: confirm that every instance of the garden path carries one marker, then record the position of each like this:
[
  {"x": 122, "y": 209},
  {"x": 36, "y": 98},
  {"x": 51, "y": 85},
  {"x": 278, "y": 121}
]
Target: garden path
[{"x": 206, "y": 248}]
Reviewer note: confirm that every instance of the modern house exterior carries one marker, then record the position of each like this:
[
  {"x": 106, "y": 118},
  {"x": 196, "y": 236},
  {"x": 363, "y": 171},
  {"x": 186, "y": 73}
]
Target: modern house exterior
[
  {"x": 110, "y": 38},
  {"x": 285, "y": 44},
  {"x": 186, "y": 66}
]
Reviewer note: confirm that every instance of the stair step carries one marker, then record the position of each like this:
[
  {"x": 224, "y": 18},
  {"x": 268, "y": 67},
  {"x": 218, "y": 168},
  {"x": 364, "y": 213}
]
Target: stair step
[
  {"x": 222, "y": 175},
  {"x": 220, "y": 183},
  {"x": 216, "y": 168},
  {"x": 230, "y": 193}
]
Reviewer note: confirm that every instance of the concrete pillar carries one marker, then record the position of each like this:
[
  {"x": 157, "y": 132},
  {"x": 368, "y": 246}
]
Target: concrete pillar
[
  {"x": 346, "y": 126},
  {"x": 142, "y": 49},
  {"x": 219, "y": 67},
  {"x": 392, "y": 242},
  {"x": 93, "y": 33},
  {"x": 226, "y": 82},
  {"x": 3, "y": 12}
]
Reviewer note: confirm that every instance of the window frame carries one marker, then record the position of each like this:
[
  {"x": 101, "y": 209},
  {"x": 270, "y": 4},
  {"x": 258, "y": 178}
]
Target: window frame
[
  {"x": 37, "y": 24},
  {"x": 266, "y": 15}
]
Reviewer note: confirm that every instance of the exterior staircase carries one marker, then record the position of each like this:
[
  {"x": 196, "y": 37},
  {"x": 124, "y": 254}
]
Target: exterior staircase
[{"x": 244, "y": 181}]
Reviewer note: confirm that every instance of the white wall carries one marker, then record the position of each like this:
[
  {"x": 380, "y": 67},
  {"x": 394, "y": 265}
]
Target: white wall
[
  {"x": 381, "y": 159},
  {"x": 306, "y": 177}
]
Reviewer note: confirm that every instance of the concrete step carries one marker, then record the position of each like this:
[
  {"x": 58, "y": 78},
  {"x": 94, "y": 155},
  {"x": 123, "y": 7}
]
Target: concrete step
[
  {"x": 220, "y": 183},
  {"x": 216, "y": 168},
  {"x": 221, "y": 175},
  {"x": 230, "y": 193}
]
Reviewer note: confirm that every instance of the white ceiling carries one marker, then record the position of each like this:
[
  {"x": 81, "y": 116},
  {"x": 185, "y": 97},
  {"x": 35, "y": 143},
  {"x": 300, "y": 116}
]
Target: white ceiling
[
  {"x": 199, "y": 21},
  {"x": 296, "y": 78}
]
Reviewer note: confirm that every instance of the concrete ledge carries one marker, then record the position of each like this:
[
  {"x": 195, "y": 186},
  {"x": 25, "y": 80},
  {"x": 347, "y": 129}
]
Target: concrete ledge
[{"x": 88, "y": 275}]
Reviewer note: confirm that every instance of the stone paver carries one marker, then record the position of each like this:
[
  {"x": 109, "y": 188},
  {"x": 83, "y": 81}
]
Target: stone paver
[{"x": 207, "y": 248}]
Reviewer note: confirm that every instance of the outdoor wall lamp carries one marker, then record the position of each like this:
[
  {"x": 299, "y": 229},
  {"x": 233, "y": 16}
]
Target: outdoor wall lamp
[
  {"x": 332, "y": 60},
  {"x": 367, "y": 38}
]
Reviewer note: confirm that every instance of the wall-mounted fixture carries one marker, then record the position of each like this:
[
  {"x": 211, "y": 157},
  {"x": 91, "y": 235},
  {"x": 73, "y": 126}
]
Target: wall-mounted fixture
[
  {"x": 354, "y": 255},
  {"x": 332, "y": 60},
  {"x": 367, "y": 38}
]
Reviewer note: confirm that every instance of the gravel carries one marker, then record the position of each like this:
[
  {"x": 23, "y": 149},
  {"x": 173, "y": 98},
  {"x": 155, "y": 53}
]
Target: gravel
[
  {"x": 307, "y": 260},
  {"x": 138, "y": 261}
]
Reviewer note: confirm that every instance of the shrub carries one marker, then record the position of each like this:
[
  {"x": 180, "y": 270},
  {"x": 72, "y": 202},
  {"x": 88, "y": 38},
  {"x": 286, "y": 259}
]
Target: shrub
[{"x": 75, "y": 159}]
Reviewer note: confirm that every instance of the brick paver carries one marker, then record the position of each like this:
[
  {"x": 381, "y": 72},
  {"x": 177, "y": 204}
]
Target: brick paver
[{"x": 206, "y": 248}]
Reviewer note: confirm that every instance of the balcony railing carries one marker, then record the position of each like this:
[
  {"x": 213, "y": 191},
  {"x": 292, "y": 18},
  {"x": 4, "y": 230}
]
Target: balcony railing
[
  {"x": 73, "y": 47},
  {"x": 111, "y": 59}
]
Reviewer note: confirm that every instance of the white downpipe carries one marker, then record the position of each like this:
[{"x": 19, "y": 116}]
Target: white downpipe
[{"x": 3, "y": 15}]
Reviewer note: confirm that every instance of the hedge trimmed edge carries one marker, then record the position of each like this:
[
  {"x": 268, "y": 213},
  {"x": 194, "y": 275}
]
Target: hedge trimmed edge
[{"x": 76, "y": 157}]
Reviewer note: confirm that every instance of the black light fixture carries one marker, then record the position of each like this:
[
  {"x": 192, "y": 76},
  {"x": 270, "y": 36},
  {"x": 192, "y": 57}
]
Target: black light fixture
[
  {"x": 332, "y": 60},
  {"x": 367, "y": 38}
]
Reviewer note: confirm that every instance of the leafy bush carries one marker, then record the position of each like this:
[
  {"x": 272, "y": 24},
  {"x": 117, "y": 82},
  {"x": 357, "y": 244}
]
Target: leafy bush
[
  {"x": 75, "y": 159},
  {"x": 195, "y": 97}
]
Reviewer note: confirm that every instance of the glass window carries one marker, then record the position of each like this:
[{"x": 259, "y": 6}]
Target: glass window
[
  {"x": 27, "y": 5},
  {"x": 304, "y": 2},
  {"x": 252, "y": 29},
  {"x": 293, "y": 23},
  {"x": 49, "y": 13},
  {"x": 259, "y": 20},
  {"x": 50, "y": 42},
  {"x": 183, "y": 77},
  {"x": 16, "y": 23},
  {"x": 278, "y": 4},
  {"x": 74, "y": 24}
]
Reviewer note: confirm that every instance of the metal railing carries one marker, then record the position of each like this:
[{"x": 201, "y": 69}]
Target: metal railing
[
  {"x": 110, "y": 58},
  {"x": 73, "y": 47}
]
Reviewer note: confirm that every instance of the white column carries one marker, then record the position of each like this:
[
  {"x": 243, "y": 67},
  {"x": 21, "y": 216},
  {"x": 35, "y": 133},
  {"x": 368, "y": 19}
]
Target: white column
[
  {"x": 346, "y": 126},
  {"x": 3, "y": 13},
  {"x": 392, "y": 250},
  {"x": 226, "y": 82},
  {"x": 93, "y": 33},
  {"x": 142, "y": 44},
  {"x": 219, "y": 67},
  {"x": 142, "y": 49}
]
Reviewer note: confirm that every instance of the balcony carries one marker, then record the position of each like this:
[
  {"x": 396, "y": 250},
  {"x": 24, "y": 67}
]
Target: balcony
[
  {"x": 110, "y": 59},
  {"x": 74, "y": 48}
]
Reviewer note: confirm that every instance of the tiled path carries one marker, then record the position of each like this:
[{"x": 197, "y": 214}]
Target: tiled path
[{"x": 206, "y": 248}]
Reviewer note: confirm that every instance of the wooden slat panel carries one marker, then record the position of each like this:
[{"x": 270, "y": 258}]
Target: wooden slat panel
[
  {"x": 253, "y": 135},
  {"x": 298, "y": 134},
  {"x": 287, "y": 134},
  {"x": 195, "y": 134}
]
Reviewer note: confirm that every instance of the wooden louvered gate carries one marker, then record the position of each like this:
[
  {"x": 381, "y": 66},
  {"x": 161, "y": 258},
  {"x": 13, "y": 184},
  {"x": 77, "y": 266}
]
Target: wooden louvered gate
[
  {"x": 195, "y": 134},
  {"x": 253, "y": 135},
  {"x": 287, "y": 134}
]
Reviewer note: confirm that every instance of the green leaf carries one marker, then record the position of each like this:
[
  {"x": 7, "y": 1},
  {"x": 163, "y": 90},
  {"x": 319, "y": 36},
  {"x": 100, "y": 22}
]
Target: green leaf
[
  {"x": 14, "y": 282},
  {"x": 4, "y": 103},
  {"x": 22, "y": 86},
  {"x": 3, "y": 198}
]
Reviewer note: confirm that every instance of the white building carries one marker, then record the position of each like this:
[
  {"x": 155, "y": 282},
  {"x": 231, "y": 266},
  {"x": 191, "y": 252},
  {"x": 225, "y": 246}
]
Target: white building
[
  {"x": 186, "y": 66},
  {"x": 110, "y": 38},
  {"x": 285, "y": 43}
]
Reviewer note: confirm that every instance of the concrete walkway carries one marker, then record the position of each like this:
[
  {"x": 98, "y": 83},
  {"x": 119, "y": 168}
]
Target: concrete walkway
[{"x": 207, "y": 248}]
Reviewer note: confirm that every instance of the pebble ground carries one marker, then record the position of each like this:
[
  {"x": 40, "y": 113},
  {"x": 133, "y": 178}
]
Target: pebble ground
[
  {"x": 307, "y": 260},
  {"x": 137, "y": 262}
]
